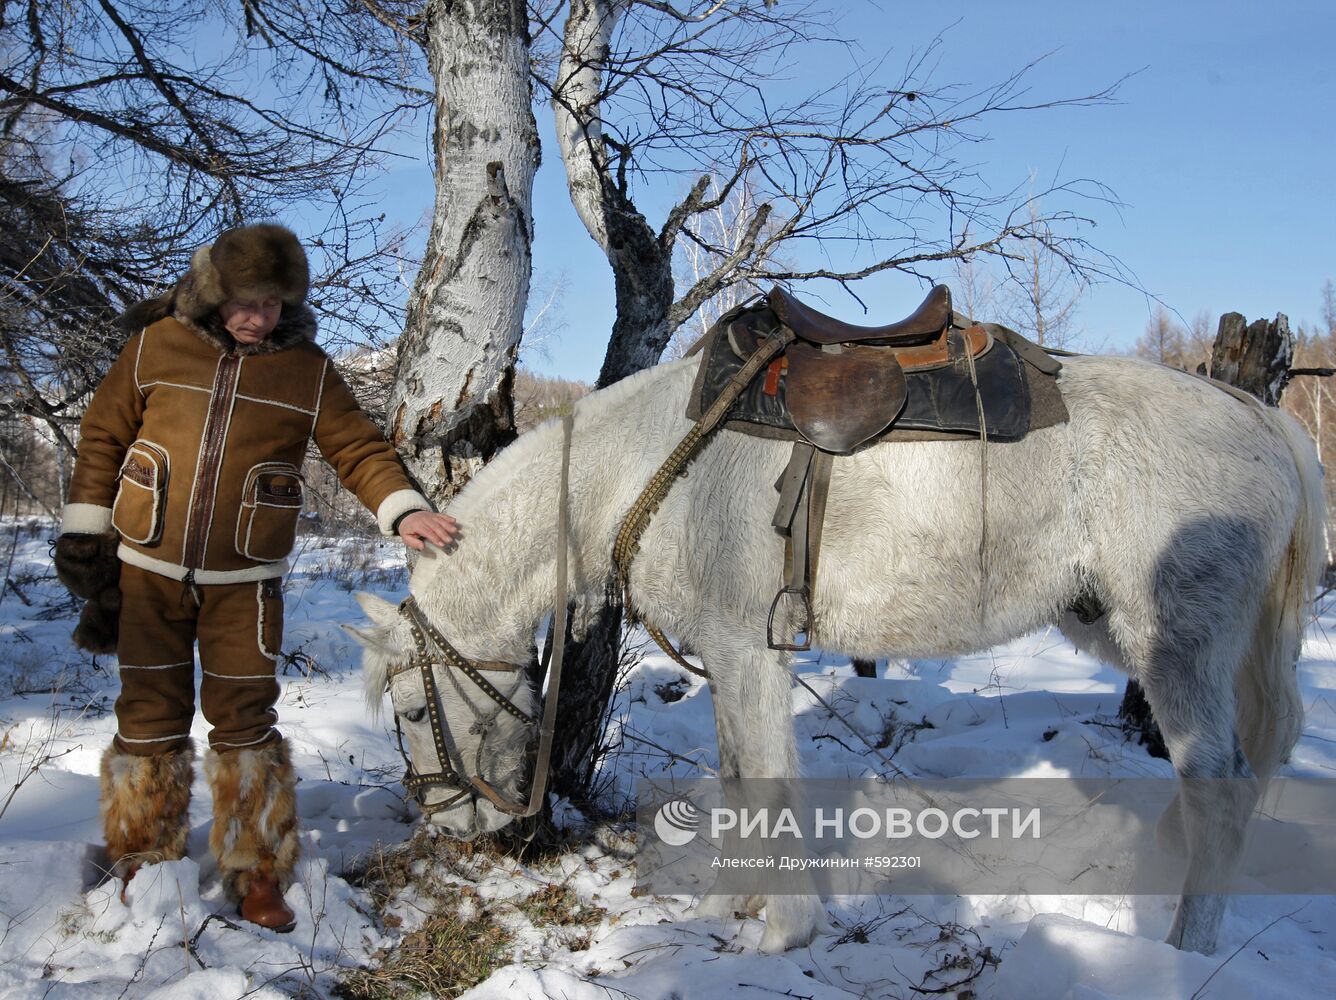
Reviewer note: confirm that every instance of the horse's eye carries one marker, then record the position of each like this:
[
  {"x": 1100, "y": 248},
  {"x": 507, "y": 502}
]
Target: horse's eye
[{"x": 416, "y": 714}]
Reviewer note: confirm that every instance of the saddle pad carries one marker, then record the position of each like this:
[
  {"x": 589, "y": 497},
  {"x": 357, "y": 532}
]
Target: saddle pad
[{"x": 940, "y": 403}]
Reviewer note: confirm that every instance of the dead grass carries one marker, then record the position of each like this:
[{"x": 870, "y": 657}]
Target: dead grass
[
  {"x": 454, "y": 950},
  {"x": 897, "y": 732},
  {"x": 464, "y": 938},
  {"x": 557, "y": 910},
  {"x": 558, "y": 905}
]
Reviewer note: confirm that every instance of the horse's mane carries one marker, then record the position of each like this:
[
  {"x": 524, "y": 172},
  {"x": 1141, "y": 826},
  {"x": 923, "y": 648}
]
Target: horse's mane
[
  {"x": 533, "y": 448},
  {"x": 542, "y": 440}
]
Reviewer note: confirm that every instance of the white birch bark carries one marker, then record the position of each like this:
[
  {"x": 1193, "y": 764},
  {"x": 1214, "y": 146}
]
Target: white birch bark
[
  {"x": 450, "y": 408},
  {"x": 575, "y": 109},
  {"x": 641, "y": 259}
]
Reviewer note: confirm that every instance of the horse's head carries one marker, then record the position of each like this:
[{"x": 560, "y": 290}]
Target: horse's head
[{"x": 456, "y": 729}]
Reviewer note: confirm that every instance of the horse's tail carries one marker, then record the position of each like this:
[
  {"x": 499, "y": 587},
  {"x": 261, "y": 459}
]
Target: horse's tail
[{"x": 1270, "y": 710}]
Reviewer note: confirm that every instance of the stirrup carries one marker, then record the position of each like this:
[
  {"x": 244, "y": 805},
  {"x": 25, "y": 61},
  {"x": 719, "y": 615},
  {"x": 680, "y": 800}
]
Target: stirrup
[{"x": 803, "y": 632}]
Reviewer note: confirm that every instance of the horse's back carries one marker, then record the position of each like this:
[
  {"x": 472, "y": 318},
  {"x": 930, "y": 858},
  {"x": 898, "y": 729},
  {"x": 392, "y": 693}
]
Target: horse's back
[{"x": 943, "y": 546}]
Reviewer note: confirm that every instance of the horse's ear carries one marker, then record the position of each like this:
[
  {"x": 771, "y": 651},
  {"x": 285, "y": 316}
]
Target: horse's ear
[
  {"x": 379, "y": 611},
  {"x": 371, "y": 638}
]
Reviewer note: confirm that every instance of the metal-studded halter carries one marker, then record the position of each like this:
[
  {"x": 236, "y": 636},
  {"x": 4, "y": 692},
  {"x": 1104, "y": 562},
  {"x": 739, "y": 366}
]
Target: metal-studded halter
[
  {"x": 426, "y": 636},
  {"x": 430, "y": 648}
]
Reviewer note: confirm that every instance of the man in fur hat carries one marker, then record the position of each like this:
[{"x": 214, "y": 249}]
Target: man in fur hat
[{"x": 182, "y": 511}]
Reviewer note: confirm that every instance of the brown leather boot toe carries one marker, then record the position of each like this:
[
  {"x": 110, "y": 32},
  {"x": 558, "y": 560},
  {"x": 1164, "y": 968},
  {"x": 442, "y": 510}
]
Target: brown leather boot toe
[{"x": 264, "y": 905}]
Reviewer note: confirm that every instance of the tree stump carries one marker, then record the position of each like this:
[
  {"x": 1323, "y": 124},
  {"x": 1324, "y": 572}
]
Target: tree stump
[{"x": 1255, "y": 358}]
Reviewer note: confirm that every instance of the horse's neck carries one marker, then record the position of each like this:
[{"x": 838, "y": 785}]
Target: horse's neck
[{"x": 501, "y": 578}]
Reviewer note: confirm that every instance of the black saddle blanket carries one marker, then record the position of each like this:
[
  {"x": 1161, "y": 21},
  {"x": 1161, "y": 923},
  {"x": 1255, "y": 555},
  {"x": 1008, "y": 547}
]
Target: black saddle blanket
[{"x": 941, "y": 403}]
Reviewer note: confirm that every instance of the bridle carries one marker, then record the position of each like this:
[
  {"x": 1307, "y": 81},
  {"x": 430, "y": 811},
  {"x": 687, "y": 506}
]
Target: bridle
[{"x": 431, "y": 647}]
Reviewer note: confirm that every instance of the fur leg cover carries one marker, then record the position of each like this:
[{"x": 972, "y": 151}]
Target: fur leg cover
[
  {"x": 145, "y": 806},
  {"x": 254, "y": 816}
]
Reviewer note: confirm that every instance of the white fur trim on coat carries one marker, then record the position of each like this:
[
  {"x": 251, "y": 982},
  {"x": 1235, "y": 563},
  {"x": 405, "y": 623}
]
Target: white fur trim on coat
[
  {"x": 397, "y": 504},
  {"x": 202, "y": 576},
  {"x": 85, "y": 518}
]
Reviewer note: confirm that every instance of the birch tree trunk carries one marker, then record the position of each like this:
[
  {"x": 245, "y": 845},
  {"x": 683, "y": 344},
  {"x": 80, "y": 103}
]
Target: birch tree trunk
[
  {"x": 642, "y": 261},
  {"x": 643, "y": 279},
  {"x": 451, "y": 405}
]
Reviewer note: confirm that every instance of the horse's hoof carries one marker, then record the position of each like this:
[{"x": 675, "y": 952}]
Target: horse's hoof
[
  {"x": 791, "y": 922},
  {"x": 776, "y": 940},
  {"x": 723, "y": 906},
  {"x": 1196, "y": 924},
  {"x": 1185, "y": 942}
]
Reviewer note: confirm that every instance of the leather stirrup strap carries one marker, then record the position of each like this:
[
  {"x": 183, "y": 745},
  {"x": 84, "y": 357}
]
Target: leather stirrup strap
[
  {"x": 790, "y": 521},
  {"x": 790, "y": 487},
  {"x": 800, "y": 517},
  {"x": 818, "y": 489}
]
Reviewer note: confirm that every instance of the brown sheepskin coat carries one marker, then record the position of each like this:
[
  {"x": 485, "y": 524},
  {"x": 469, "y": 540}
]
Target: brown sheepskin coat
[{"x": 192, "y": 446}]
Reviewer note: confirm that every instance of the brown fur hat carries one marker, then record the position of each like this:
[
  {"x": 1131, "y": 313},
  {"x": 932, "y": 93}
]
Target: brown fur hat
[{"x": 252, "y": 262}]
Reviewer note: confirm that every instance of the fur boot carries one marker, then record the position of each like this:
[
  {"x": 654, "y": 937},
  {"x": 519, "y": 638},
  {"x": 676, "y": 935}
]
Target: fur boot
[
  {"x": 254, "y": 832},
  {"x": 145, "y": 806}
]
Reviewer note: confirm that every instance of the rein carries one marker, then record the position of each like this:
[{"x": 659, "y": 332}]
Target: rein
[
  {"x": 627, "y": 543},
  {"x": 431, "y": 647}
]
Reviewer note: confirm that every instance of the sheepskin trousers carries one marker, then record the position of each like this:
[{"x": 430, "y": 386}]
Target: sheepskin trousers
[
  {"x": 239, "y": 627},
  {"x": 148, "y": 769}
]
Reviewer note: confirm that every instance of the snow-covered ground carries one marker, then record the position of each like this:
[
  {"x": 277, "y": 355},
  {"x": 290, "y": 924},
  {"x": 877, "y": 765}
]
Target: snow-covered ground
[{"x": 1030, "y": 708}]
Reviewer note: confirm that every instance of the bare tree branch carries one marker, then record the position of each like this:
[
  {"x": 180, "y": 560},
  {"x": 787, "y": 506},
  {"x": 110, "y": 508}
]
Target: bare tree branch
[{"x": 123, "y": 148}]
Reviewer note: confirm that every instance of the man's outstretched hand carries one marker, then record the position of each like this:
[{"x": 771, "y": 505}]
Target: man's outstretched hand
[{"x": 423, "y": 526}]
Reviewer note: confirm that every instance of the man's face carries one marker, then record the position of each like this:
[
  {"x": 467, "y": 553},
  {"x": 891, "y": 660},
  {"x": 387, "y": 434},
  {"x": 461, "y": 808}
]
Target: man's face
[{"x": 250, "y": 321}]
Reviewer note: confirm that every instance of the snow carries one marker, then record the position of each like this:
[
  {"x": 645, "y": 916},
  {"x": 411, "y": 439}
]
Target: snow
[
  {"x": 1060, "y": 958},
  {"x": 1032, "y": 707}
]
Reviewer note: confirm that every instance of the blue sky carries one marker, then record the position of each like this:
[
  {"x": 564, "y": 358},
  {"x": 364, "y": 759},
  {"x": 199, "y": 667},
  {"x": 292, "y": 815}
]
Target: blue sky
[{"x": 1219, "y": 147}]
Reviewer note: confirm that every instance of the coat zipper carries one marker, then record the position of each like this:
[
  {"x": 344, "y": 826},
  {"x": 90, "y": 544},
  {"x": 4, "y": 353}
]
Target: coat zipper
[{"x": 211, "y": 450}]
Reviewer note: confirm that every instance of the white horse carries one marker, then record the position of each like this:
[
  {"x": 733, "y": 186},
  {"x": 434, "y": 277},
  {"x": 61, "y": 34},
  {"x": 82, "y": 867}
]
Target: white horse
[{"x": 1192, "y": 517}]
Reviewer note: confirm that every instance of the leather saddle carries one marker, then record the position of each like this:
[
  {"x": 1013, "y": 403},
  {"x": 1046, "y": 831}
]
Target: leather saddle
[
  {"x": 781, "y": 370},
  {"x": 845, "y": 384}
]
